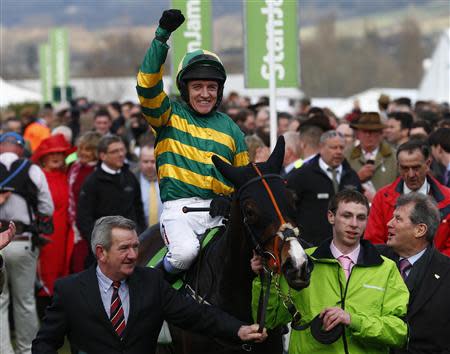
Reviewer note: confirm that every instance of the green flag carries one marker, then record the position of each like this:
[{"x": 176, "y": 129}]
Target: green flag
[
  {"x": 45, "y": 68},
  {"x": 59, "y": 43},
  {"x": 193, "y": 34},
  {"x": 286, "y": 53}
]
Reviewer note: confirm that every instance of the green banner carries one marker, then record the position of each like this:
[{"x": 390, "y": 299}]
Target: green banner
[
  {"x": 286, "y": 40},
  {"x": 193, "y": 34},
  {"x": 59, "y": 44},
  {"x": 45, "y": 68}
]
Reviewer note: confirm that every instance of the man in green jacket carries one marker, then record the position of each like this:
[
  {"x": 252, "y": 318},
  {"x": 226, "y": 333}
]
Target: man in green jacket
[
  {"x": 353, "y": 288},
  {"x": 188, "y": 134}
]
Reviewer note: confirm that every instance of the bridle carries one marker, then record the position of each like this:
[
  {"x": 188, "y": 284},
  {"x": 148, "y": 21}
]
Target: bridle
[
  {"x": 271, "y": 261},
  {"x": 286, "y": 231}
]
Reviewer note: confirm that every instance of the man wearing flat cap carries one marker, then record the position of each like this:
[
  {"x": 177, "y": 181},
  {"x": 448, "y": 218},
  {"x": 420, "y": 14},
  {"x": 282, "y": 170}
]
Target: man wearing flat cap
[{"x": 373, "y": 159}]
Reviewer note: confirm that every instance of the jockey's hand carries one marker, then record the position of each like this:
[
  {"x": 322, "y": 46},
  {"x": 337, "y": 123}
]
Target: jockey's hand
[
  {"x": 250, "y": 333},
  {"x": 256, "y": 263},
  {"x": 220, "y": 206},
  {"x": 171, "y": 20}
]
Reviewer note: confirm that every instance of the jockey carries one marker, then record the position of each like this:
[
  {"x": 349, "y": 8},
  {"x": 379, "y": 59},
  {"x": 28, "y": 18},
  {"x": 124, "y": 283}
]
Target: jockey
[{"x": 187, "y": 135}]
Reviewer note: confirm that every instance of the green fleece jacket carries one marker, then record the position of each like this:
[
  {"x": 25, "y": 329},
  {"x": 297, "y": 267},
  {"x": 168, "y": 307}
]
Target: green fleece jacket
[{"x": 375, "y": 296}]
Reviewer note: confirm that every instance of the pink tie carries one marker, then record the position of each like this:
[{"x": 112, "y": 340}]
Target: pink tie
[{"x": 346, "y": 264}]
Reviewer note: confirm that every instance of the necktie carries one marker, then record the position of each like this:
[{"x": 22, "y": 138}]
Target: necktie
[
  {"x": 404, "y": 266},
  {"x": 334, "y": 178},
  {"x": 117, "y": 316},
  {"x": 446, "y": 178},
  {"x": 152, "y": 205},
  {"x": 346, "y": 264}
]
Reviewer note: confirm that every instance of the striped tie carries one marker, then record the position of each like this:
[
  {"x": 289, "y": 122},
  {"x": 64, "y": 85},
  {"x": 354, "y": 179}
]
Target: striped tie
[{"x": 117, "y": 316}]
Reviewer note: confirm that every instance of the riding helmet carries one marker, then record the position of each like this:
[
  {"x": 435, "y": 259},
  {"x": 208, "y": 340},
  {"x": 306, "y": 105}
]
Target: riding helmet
[{"x": 200, "y": 65}]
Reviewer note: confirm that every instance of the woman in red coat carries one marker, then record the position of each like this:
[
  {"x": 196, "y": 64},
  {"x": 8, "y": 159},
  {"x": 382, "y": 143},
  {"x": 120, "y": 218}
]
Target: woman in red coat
[
  {"x": 54, "y": 257},
  {"x": 78, "y": 171}
]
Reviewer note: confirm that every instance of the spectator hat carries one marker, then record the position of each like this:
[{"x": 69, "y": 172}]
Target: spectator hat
[
  {"x": 368, "y": 121},
  {"x": 54, "y": 143},
  {"x": 12, "y": 137}
]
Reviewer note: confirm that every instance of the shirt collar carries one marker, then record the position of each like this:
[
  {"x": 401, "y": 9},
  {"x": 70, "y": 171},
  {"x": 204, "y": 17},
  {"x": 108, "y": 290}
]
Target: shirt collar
[
  {"x": 290, "y": 167},
  {"x": 109, "y": 170},
  {"x": 324, "y": 166},
  {"x": 423, "y": 190},
  {"x": 415, "y": 258},
  {"x": 353, "y": 255},
  {"x": 373, "y": 153},
  {"x": 104, "y": 282}
]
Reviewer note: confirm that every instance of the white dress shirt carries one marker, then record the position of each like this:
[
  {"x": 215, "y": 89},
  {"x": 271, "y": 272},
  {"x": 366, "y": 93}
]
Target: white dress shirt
[
  {"x": 325, "y": 168},
  {"x": 106, "y": 291}
]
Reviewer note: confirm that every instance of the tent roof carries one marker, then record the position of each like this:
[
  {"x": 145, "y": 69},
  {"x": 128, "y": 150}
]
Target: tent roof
[
  {"x": 14, "y": 94},
  {"x": 435, "y": 83}
]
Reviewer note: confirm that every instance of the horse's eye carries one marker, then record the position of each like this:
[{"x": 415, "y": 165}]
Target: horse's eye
[{"x": 250, "y": 211}]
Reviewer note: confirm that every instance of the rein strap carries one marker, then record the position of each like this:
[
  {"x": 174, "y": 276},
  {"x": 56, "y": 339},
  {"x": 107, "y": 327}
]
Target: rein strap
[{"x": 269, "y": 191}]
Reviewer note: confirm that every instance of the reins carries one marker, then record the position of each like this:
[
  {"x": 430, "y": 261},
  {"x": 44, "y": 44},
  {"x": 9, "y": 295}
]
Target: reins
[{"x": 275, "y": 258}]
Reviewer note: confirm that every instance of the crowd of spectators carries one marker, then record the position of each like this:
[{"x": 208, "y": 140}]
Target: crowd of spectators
[{"x": 98, "y": 160}]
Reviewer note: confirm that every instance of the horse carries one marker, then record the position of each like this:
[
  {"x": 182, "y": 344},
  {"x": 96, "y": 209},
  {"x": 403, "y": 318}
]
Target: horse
[{"x": 262, "y": 217}]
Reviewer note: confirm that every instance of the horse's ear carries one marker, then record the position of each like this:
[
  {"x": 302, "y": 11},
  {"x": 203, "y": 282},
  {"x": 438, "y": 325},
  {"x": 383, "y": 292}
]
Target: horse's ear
[
  {"x": 228, "y": 171},
  {"x": 275, "y": 161}
]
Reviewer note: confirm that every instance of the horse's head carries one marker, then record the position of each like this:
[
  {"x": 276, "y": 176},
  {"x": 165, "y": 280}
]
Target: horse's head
[{"x": 268, "y": 214}]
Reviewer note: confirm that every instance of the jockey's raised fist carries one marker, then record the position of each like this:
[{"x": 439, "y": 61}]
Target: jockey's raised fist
[{"x": 171, "y": 20}]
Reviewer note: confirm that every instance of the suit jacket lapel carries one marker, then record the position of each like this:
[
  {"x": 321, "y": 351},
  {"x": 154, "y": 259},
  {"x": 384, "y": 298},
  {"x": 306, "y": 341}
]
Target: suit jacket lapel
[
  {"x": 430, "y": 282},
  {"x": 90, "y": 291},
  {"x": 135, "y": 305}
]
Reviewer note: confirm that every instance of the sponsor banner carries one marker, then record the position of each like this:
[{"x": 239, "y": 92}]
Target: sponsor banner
[
  {"x": 45, "y": 68},
  {"x": 195, "y": 33},
  {"x": 59, "y": 44},
  {"x": 285, "y": 33}
]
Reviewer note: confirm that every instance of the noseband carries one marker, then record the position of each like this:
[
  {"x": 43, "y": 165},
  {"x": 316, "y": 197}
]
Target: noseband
[{"x": 286, "y": 231}]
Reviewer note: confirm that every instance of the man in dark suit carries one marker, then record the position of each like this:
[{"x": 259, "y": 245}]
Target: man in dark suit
[
  {"x": 426, "y": 272},
  {"x": 317, "y": 181},
  {"x": 112, "y": 189},
  {"x": 148, "y": 181},
  {"x": 117, "y": 307}
]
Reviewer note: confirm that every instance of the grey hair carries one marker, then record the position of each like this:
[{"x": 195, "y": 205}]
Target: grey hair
[
  {"x": 64, "y": 130},
  {"x": 330, "y": 134},
  {"x": 107, "y": 140},
  {"x": 424, "y": 211},
  {"x": 102, "y": 232},
  {"x": 292, "y": 140}
]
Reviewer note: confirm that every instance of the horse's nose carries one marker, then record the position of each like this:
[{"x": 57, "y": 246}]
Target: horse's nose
[{"x": 297, "y": 278}]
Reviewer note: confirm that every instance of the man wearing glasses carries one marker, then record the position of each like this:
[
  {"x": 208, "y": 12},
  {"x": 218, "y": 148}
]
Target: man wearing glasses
[{"x": 112, "y": 189}]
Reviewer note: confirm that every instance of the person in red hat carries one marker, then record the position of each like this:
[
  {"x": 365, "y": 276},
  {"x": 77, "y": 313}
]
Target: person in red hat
[{"x": 55, "y": 256}]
